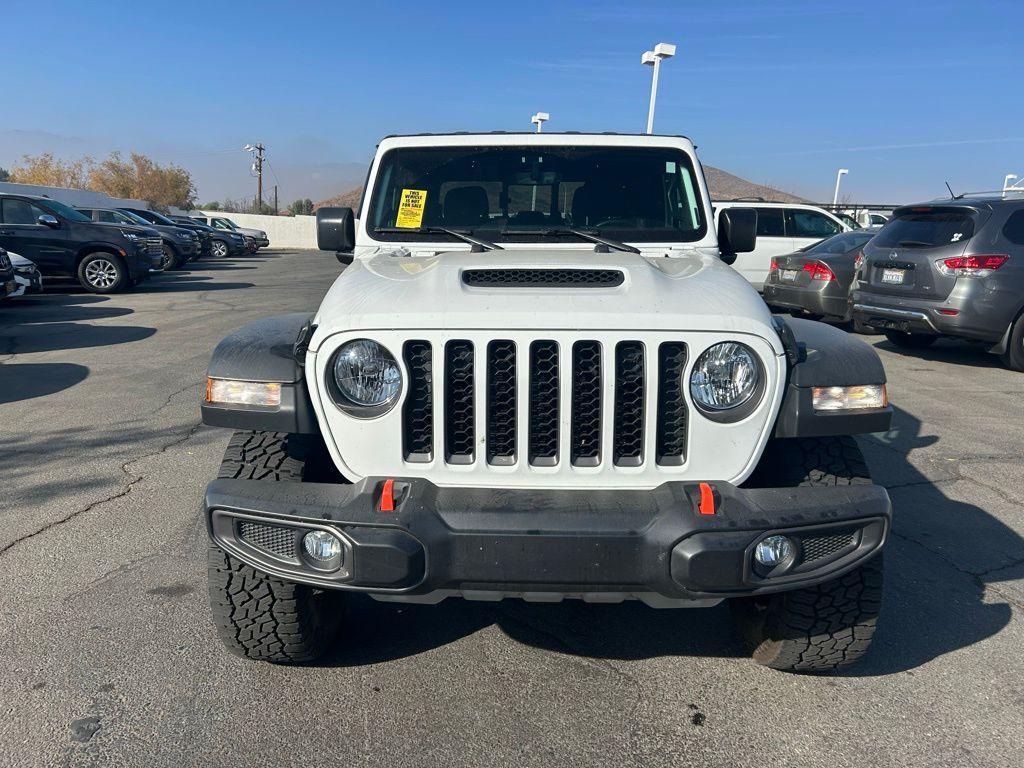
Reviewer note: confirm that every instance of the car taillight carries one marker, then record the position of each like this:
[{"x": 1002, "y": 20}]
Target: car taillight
[
  {"x": 978, "y": 265},
  {"x": 773, "y": 266},
  {"x": 858, "y": 260},
  {"x": 819, "y": 271}
]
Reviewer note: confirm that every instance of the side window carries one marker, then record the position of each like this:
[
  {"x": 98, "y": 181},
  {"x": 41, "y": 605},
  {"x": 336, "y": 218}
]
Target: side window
[
  {"x": 108, "y": 217},
  {"x": 219, "y": 224},
  {"x": 810, "y": 224},
  {"x": 769, "y": 222},
  {"x": 19, "y": 211},
  {"x": 1013, "y": 229}
]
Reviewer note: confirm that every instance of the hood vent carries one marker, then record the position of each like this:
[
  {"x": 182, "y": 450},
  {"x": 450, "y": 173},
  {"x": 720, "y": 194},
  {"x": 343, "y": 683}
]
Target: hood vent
[{"x": 542, "y": 278}]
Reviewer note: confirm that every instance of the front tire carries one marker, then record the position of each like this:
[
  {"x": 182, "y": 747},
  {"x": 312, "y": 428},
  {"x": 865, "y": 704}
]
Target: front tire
[
  {"x": 171, "y": 259},
  {"x": 830, "y": 625},
  {"x": 103, "y": 273},
  {"x": 219, "y": 249},
  {"x": 910, "y": 340},
  {"x": 259, "y": 616}
]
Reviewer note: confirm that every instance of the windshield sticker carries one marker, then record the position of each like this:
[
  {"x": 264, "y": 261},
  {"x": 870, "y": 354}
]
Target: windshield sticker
[{"x": 410, "y": 210}]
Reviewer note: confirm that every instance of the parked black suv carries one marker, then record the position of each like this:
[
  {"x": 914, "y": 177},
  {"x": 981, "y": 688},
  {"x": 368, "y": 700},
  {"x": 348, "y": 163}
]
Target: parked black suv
[
  {"x": 65, "y": 243},
  {"x": 180, "y": 245},
  {"x": 952, "y": 267},
  {"x": 222, "y": 242}
]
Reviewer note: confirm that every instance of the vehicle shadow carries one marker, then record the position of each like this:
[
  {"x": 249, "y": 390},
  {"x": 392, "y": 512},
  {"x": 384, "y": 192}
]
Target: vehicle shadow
[
  {"x": 196, "y": 284},
  {"x": 934, "y": 604},
  {"x": 61, "y": 321},
  {"x": 952, "y": 351},
  {"x": 24, "y": 381}
]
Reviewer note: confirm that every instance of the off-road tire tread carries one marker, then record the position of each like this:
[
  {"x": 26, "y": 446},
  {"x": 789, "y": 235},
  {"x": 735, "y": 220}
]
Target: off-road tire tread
[
  {"x": 816, "y": 629},
  {"x": 810, "y": 461},
  {"x": 257, "y": 615}
]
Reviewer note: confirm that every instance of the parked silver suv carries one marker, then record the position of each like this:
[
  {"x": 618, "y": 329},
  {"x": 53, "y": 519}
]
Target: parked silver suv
[{"x": 953, "y": 267}]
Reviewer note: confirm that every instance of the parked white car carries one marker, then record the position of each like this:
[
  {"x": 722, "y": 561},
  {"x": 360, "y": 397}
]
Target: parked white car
[
  {"x": 537, "y": 377},
  {"x": 782, "y": 228},
  {"x": 26, "y": 275}
]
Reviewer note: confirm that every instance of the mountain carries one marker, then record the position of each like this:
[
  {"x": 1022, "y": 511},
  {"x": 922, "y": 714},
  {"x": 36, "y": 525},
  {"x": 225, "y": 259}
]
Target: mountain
[{"x": 722, "y": 184}]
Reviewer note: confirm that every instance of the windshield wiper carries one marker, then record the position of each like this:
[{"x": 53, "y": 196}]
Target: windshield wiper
[
  {"x": 466, "y": 237},
  {"x": 580, "y": 233},
  {"x": 913, "y": 244}
]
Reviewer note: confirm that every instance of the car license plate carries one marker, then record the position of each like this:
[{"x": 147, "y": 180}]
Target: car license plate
[
  {"x": 893, "y": 275},
  {"x": 789, "y": 274}
]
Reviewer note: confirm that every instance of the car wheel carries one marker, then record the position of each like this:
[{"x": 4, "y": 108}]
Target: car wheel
[
  {"x": 219, "y": 249},
  {"x": 1014, "y": 355},
  {"x": 170, "y": 259},
  {"x": 260, "y": 616},
  {"x": 830, "y": 625},
  {"x": 103, "y": 273}
]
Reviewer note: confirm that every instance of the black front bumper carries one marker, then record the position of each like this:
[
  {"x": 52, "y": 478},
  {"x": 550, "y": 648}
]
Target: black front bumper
[{"x": 491, "y": 543}]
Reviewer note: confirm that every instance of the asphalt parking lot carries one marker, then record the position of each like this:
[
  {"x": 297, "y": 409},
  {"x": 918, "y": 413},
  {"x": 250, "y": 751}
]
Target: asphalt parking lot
[{"x": 109, "y": 656}]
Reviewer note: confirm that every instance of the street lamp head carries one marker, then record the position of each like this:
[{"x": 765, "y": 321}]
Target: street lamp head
[
  {"x": 843, "y": 170},
  {"x": 664, "y": 50},
  {"x": 648, "y": 58},
  {"x": 540, "y": 117}
]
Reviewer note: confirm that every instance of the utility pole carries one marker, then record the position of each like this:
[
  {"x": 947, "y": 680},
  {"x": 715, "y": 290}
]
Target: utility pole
[
  {"x": 257, "y": 168},
  {"x": 275, "y": 201}
]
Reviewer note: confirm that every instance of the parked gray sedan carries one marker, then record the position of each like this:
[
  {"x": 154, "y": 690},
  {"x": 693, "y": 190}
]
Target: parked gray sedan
[
  {"x": 816, "y": 280},
  {"x": 953, "y": 267}
]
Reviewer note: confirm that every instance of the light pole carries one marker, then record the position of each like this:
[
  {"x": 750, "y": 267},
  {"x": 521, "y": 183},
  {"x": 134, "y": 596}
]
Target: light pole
[
  {"x": 539, "y": 119},
  {"x": 653, "y": 59},
  {"x": 839, "y": 177}
]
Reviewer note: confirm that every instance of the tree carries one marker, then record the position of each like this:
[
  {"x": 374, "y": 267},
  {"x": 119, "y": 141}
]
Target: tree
[
  {"x": 139, "y": 177},
  {"x": 5, "y": 175},
  {"x": 301, "y": 207},
  {"x": 48, "y": 171},
  {"x": 213, "y": 205}
]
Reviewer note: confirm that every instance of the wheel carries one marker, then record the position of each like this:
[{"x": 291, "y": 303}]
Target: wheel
[
  {"x": 103, "y": 273},
  {"x": 1014, "y": 355},
  {"x": 858, "y": 326},
  {"x": 259, "y": 616},
  {"x": 219, "y": 248},
  {"x": 831, "y": 625},
  {"x": 170, "y": 259},
  {"x": 910, "y": 340}
]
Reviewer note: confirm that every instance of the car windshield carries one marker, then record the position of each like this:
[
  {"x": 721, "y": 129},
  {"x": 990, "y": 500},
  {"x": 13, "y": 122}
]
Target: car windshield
[
  {"x": 154, "y": 218},
  {"x": 847, "y": 242},
  {"x": 66, "y": 211},
  {"x": 528, "y": 193},
  {"x": 134, "y": 218},
  {"x": 926, "y": 227}
]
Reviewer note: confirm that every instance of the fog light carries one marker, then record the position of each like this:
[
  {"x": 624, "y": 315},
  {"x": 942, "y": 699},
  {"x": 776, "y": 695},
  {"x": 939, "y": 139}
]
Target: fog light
[
  {"x": 773, "y": 551},
  {"x": 321, "y": 546},
  {"x": 849, "y": 398}
]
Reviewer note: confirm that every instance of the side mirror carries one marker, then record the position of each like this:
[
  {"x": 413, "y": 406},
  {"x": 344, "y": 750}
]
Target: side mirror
[
  {"x": 48, "y": 220},
  {"x": 336, "y": 231},
  {"x": 737, "y": 232}
]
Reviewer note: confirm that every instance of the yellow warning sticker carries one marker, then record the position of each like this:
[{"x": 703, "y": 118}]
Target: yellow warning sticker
[{"x": 410, "y": 209}]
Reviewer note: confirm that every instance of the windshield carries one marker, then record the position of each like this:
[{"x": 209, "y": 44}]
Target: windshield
[
  {"x": 134, "y": 218},
  {"x": 847, "y": 242},
  {"x": 926, "y": 228},
  {"x": 521, "y": 193},
  {"x": 153, "y": 217},
  {"x": 65, "y": 211}
]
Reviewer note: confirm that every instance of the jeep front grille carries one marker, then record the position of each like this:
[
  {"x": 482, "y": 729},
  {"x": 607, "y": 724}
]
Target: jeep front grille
[{"x": 587, "y": 388}]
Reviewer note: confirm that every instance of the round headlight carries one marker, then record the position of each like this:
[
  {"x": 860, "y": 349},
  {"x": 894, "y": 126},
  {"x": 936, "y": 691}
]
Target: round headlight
[
  {"x": 726, "y": 376},
  {"x": 366, "y": 375}
]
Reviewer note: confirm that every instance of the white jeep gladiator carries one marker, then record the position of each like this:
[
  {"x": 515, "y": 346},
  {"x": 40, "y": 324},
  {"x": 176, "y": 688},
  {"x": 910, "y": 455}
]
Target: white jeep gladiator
[{"x": 538, "y": 377}]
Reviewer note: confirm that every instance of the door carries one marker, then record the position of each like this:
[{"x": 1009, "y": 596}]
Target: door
[
  {"x": 20, "y": 232},
  {"x": 771, "y": 241}
]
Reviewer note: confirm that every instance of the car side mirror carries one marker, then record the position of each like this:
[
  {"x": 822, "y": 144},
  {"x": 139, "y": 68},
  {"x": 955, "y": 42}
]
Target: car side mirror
[
  {"x": 336, "y": 231},
  {"x": 48, "y": 220},
  {"x": 737, "y": 232}
]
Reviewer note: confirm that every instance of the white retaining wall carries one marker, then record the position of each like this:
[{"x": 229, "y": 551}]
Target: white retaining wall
[{"x": 282, "y": 231}]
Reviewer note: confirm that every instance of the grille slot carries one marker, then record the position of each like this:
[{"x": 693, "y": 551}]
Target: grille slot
[
  {"x": 275, "y": 539},
  {"x": 628, "y": 442},
  {"x": 418, "y": 411},
  {"x": 460, "y": 431},
  {"x": 586, "y": 404},
  {"x": 672, "y": 411},
  {"x": 544, "y": 403},
  {"x": 542, "y": 278},
  {"x": 501, "y": 403},
  {"x": 819, "y": 547}
]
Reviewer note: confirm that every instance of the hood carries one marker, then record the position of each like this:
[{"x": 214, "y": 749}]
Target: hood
[
  {"x": 250, "y": 232},
  {"x": 19, "y": 261},
  {"x": 137, "y": 229},
  {"x": 695, "y": 292}
]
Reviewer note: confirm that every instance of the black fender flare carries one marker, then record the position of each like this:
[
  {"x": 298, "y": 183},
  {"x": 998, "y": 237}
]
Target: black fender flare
[
  {"x": 822, "y": 355},
  {"x": 268, "y": 350}
]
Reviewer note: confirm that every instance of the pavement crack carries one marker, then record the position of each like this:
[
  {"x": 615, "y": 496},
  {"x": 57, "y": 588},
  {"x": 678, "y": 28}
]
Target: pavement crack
[{"x": 132, "y": 481}]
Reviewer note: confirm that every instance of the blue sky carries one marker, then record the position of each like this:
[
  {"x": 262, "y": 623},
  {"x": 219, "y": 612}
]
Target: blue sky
[{"x": 904, "y": 94}]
